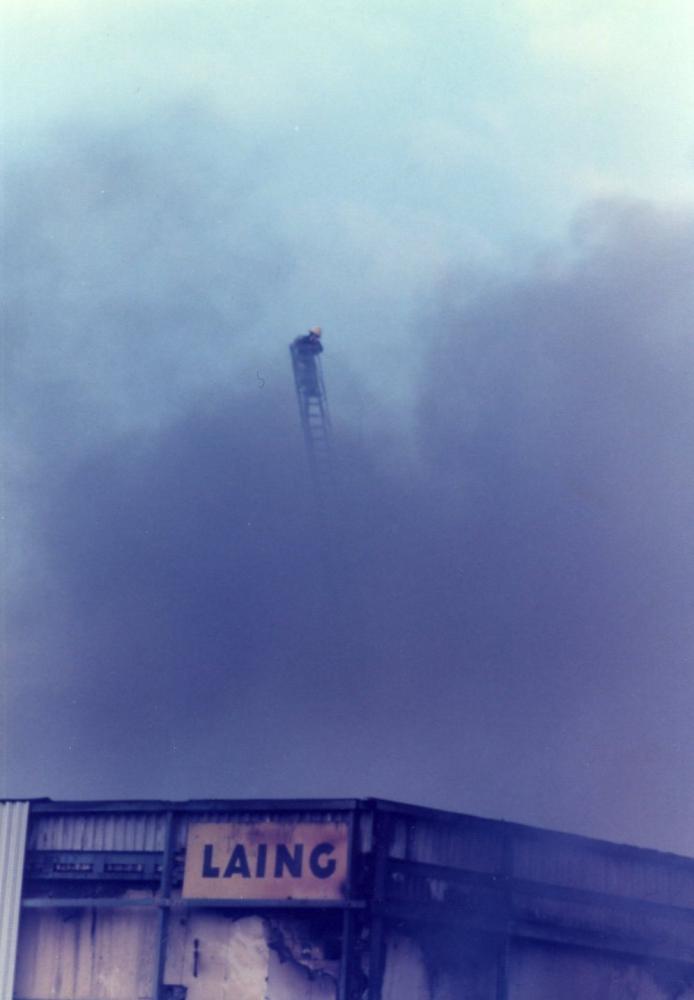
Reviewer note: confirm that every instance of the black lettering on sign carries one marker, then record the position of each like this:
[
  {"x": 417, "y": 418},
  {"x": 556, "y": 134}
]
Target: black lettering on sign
[
  {"x": 292, "y": 862},
  {"x": 288, "y": 859},
  {"x": 208, "y": 869},
  {"x": 327, "y": 868},
  {"x": 238, "y": 863}
]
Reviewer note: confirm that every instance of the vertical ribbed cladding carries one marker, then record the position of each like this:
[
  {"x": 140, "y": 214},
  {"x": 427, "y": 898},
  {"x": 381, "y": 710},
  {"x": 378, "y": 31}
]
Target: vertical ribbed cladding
[
  {"x": 455, "y": 841},
  {"x": 98, "y": 831},
  {"x": 13, "y": 827},
  {"x": 597, "y": 866}
]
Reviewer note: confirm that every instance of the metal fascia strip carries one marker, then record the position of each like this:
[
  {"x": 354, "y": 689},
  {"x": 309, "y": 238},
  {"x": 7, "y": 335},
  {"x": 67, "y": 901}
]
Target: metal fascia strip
[{"x": 13, "y": 829}]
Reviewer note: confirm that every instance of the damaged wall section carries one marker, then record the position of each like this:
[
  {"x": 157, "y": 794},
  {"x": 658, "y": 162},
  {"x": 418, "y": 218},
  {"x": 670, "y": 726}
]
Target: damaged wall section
[
  {"x": 232, "y": 957},
  {"x": 431, "y": 963},
  {"x": 540, "y": 970},
  {"x": 340, "y": 900}
]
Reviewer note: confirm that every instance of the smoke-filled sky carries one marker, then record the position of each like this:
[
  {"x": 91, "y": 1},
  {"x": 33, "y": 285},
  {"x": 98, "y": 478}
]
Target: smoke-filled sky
[{"x": 490, "y": 210}]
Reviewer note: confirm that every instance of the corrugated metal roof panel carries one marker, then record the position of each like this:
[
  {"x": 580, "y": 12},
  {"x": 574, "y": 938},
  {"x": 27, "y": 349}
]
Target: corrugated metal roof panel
[{"x": 13, "y": 827}]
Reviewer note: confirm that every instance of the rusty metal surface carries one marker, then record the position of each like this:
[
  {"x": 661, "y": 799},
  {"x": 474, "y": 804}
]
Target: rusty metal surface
[
  {"x": 266, "y": 860},
  {"x": 261, "y": 815},
  {"x": 13, "y": 825}
]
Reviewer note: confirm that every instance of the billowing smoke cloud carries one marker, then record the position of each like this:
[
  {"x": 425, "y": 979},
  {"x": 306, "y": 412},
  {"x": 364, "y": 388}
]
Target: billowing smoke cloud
[
  {"x": 560, "y": 409},
  {"x": 507, "y": 629}
]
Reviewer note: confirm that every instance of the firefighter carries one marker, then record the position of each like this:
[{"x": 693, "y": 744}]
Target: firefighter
[{"x": 311, "y": 341}]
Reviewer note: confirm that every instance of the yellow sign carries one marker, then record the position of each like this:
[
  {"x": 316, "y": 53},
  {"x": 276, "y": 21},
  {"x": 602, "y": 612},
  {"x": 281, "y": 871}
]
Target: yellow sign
[{"x": 266, "y": 861}]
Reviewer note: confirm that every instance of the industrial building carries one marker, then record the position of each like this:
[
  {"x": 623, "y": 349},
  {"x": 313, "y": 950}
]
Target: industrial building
[{"x": 345, "y": 899}]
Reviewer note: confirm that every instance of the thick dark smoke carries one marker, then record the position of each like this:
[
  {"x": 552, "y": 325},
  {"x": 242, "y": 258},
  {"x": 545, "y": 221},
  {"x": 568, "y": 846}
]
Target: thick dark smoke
[{"x": 509, "y": 627}]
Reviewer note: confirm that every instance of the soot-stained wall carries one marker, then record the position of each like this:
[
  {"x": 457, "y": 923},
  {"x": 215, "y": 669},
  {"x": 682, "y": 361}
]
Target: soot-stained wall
[
  {"x": 124, "y": 900},
  {"x": 541, "y": 972}
]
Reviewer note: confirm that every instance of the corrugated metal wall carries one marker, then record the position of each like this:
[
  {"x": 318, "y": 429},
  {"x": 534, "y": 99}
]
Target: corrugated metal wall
[
  {"x": 461, "y": 844},
  {"x": 584, "y": 864},
  {"x": 143, "y": 831},
  {"x": 13, "y": 826},
  {"x": 86, "y": 953},
  {"x": 538, "y": 970},
  {"x": 567, "y": 898},
  {"x": 98, "y": 831},
  {"x": 544, "y": 857}
]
